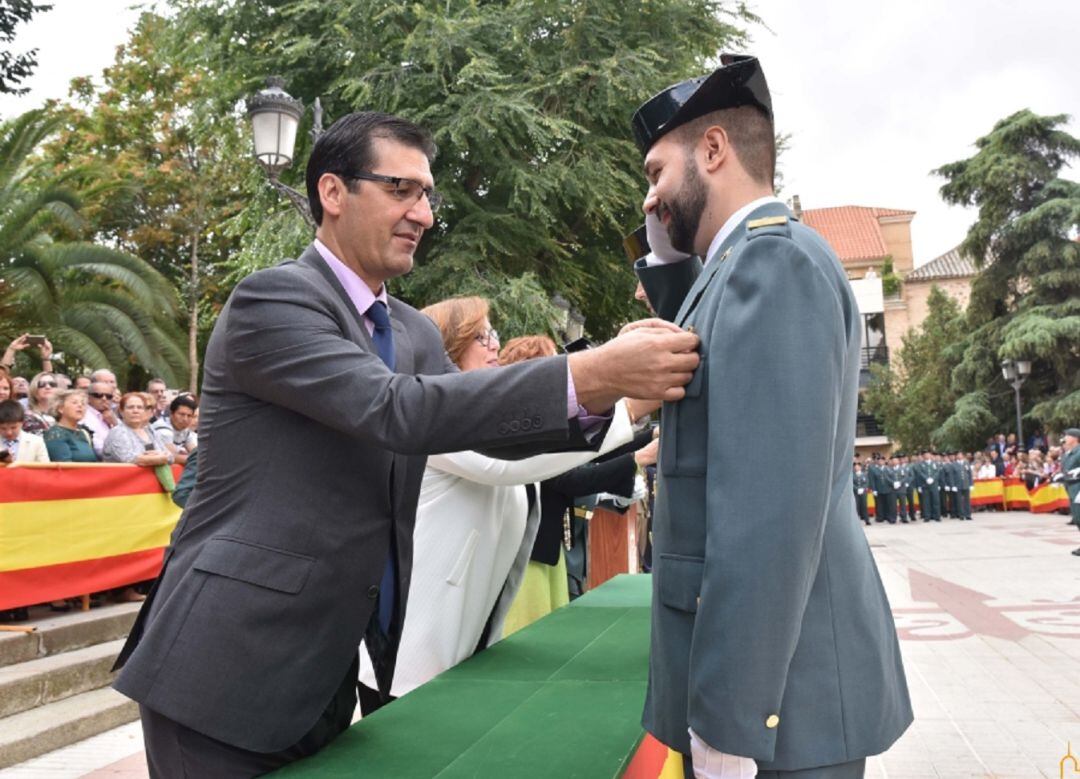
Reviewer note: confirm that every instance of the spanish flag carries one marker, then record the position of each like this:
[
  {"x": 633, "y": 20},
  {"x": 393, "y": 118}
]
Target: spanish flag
[
  {"x": 68, "y": 530},
  {"x": 653, "y": 760}
]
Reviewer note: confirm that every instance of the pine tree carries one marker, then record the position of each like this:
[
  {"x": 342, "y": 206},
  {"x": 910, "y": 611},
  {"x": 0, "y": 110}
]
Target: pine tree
[{"x": 1025, "y": 302}]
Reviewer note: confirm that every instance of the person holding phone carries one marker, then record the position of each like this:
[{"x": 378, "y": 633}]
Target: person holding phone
[{"x": 25, "y": 341}]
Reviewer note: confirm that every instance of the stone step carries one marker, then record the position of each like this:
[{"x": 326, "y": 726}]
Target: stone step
[
  {"x": 29, "y": 734},
  {"x": 42, "y": 681},
  {"x": 57, "y": 633}
]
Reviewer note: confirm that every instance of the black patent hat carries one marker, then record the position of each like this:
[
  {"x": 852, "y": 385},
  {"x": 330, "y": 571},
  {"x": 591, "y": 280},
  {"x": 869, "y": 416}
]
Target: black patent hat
[{"x": 737, "y": 82}]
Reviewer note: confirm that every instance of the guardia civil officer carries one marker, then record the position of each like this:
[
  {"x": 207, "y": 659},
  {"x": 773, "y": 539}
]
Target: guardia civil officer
[
  {"x": 874, "y": 476},
  {"x": 965, "y": 480},
  {"x": 946, "y": 481},
  {"x": 773, "y": 643},
  {"x": 1070, "y": 474},
  {"x": 887, "y": 489},
  {"x": 861, "y": 484},
  {"x": 929, "y": 497},
  {"x": 906, "y": 462},
  {"x": 901, "y": 486}
]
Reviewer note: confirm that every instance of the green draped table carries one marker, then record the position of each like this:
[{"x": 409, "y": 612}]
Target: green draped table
[{"x": 560, "y": 698}]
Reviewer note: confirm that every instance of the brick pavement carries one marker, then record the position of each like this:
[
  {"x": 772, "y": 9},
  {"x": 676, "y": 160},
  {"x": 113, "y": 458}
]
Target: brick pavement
[{"x": 988, "y": 613}]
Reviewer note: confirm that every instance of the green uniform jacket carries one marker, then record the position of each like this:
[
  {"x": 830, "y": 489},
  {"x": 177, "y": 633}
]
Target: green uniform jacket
[
  {"x": 1070, "y": 460},
  {"x": 772, "y": 635}
]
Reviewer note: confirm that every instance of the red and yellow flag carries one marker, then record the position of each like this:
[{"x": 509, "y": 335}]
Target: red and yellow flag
[{"x": 71, "y": 530}]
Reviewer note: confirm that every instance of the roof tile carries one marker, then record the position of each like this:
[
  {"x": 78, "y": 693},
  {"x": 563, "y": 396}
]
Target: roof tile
[{"x": 854, "y": 232}]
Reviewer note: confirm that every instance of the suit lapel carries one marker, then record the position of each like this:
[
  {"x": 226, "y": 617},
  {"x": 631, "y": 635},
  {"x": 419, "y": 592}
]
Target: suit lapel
[
  {"x": 403, "y": 348},
  {"x": 716, "y": 261},
  {"x": 312, "y": 259}
]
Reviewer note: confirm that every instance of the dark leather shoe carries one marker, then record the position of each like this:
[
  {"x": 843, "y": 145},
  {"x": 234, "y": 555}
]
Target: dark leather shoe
[{"x": 1076, "y": 552}]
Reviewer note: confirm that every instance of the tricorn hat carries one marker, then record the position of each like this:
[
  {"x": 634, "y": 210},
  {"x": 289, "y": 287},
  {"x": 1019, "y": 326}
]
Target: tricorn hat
[{"x": 737, "y": 82}]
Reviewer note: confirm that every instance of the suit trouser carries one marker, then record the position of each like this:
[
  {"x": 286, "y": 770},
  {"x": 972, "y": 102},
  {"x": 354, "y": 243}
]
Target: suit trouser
[
  {"x": 888, "y": 502},
  {"x": 174, "y": 750},
  {"x": 931, "y": 502},
  {"x": 965, "y": 503},
  {"x": 860, "y": 507}
]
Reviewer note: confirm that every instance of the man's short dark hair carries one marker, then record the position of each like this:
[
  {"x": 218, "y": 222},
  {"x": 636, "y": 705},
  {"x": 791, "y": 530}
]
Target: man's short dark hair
[
  {"x": 185, "y": 401},
  {"x": 346, "y": 149},
  {"x": 11, "y": 411},
  {"x": 751, "y": 135}
]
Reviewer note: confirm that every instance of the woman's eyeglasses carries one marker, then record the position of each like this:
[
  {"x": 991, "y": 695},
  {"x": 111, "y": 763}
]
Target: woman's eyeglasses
[
  {"x": 47, "y": 384},
  {"x": 485, "y": 338}
]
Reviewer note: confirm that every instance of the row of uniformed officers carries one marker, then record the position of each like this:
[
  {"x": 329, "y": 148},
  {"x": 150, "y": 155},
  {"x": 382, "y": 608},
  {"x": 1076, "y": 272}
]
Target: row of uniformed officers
[{"x": 942, "y": 482}]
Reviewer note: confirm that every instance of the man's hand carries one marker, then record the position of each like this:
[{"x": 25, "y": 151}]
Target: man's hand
[{"x": 651, "y": 360}]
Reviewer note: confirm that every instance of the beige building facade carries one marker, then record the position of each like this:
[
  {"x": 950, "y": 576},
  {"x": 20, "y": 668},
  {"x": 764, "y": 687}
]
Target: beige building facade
[{"x": 865, "y": 239}]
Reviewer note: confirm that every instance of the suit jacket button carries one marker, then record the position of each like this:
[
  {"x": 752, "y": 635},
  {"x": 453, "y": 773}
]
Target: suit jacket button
[
  {"x": 772, "y": 721},
  {"x": 536, "y": 421},
  {"x": 373, "y": 591},
  {"x": 503, "y": 428},
  {"x": 515, "y": 426},
  {"x": 526, "y": 424}
]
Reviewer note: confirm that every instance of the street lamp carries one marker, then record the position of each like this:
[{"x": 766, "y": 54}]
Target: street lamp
[
  {"x": 275, "y": 116},
  {"x": 1015, "y": 373}
]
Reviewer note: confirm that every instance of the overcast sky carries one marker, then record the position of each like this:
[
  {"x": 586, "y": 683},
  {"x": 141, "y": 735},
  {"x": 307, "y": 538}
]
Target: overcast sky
[{"x": 874, "y": 95}]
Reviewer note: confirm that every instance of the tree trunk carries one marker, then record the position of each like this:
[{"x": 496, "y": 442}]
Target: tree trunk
[{"x": 193, "y": 316}]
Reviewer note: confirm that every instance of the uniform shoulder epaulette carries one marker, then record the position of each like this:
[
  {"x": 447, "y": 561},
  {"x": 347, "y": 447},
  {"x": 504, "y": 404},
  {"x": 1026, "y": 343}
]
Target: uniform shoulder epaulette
[{"x": 768, "y": 225}]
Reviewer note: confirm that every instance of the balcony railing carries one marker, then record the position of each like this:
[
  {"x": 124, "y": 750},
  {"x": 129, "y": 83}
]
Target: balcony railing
[
  {"x": 873, "y": 355},
  {"x": 867, "y": 425}
]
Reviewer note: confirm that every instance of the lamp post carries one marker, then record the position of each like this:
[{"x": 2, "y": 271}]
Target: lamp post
[
  {"x": 275, "y": 116},
  {"x": 1015, "y": 373}
]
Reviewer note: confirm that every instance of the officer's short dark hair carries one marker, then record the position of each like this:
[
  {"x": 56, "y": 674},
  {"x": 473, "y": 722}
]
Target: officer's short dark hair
[
  {"x": 11, "y": 411},
  {"x": 183, "y": 401},
  {"x": 345, "y": 149},
  {"x": 751, "y": 135}
]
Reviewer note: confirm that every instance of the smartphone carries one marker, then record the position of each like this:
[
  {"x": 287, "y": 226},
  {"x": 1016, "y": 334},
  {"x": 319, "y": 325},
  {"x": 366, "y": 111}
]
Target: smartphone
[
  {"x": 577, "y": 345},
  {"x": 35, "y": 340}
]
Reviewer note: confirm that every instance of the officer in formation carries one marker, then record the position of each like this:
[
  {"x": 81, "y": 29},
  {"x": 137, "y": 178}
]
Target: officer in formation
[
  {"x": 861, "y": 484},
  {"x": 965, "y": 480},
  {"x": 884, "y": 493},
  {"x": 1070, "y": 475},
  {"x": 947, "y": 484},
  {"x": 927, "y": 482},
  {"x": 902, "y": 483},
  {"x": 908, "y": 465}
]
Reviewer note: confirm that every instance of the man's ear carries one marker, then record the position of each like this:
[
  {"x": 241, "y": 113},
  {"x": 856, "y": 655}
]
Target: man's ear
[
  {"x": 332, "y": 193},
  {"x": 716, "y": 148}
]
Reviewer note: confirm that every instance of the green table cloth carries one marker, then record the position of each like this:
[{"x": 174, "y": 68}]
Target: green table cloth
[{"x": 560, "y": 698}]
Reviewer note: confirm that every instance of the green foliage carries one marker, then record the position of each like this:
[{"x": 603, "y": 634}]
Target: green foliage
[
  {"x": 890, "y": 282},
  {"x": 15, "y": 68},
  {"x": 168, "y": 138},
  {"x": 529, "y": 103},
  {"x": 909, "y": 395},
  {"x": 1025, "y": 304},
  {"x": 101, "y": 307}
]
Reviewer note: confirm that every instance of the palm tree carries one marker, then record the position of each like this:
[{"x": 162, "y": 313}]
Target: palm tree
[{"x": 102, "y": 307}]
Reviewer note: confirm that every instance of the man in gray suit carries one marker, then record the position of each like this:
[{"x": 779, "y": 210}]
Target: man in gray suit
[
  {"x": 773, "y": 643},
  {"x": 322, "y": 395}
]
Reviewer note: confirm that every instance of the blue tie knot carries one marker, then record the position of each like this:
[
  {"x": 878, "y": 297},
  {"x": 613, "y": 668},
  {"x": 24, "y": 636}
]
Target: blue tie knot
[{"x": 378, "y": 315}]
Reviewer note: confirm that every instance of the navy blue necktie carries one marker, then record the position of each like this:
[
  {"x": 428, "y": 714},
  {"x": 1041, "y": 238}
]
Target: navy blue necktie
[{"x": 383, "y": 338}]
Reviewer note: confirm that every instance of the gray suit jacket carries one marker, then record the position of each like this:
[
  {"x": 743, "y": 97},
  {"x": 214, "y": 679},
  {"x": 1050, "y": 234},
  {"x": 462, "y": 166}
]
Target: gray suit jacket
[
  {"x": 310, "y": 455},
  {"x": 772, "y": 636}
]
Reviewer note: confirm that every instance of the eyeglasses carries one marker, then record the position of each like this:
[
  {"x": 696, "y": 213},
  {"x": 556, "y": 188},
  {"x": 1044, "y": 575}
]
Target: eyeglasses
[
  {"x": 100, "y": 395},
  {"x": 408, "y": 190},
  {"x": 485, "y": 338},
  {"x": 46, "y": 384}
]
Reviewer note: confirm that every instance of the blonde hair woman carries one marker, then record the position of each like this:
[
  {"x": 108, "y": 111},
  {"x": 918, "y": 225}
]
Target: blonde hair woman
[{"x": 475, "y": 526}]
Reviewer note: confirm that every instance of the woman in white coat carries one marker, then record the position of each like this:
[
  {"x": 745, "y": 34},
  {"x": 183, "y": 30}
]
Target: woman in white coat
[{"x": 475, "y": 527}]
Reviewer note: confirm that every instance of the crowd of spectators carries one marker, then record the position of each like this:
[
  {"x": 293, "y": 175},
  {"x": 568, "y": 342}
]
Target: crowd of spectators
[{"x": 87, "y": 419}]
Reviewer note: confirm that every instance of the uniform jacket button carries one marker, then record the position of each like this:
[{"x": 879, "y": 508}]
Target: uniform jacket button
[
  {"x": 772, "y": 721},
  {"x": 373, "y": 591}
]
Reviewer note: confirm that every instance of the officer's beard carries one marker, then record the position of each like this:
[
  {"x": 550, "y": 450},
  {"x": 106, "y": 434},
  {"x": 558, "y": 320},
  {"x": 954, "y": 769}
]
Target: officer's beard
[{"x": 687, "y": 208}]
